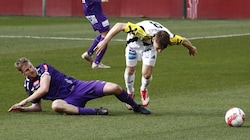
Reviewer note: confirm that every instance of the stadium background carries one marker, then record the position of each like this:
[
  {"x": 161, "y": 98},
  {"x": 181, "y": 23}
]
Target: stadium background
[
  {"x": 201, "y": 9},
  {"x": 190, "y": 95}
]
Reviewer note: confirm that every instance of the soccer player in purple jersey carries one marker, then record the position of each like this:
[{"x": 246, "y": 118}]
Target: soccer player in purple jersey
[
  {"x": 144, "y": 40},
  {"x": 94, "y": 13},
  {"x": 69, "y": 95}
]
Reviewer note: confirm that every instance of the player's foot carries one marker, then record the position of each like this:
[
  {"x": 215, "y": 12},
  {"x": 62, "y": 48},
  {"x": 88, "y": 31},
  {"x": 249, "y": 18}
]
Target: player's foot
[
  {"x": 102, "y": 111},
  {"x": 87, "y": 57},
  {"x": 129, "y": 106},
  {"x": 100, "y": 66},
  {"x": 144, "y": 97},
  {"x": 142, "y": 110}
]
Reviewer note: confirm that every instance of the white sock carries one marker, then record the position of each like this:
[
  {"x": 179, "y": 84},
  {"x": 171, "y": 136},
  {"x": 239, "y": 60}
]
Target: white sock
[
  {"x": 145, "y": 82},
  {"x": 129, "y": 81}
]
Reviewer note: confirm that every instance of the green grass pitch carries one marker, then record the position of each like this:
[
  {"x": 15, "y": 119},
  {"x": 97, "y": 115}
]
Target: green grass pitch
[{"x": 189, "y": 95}]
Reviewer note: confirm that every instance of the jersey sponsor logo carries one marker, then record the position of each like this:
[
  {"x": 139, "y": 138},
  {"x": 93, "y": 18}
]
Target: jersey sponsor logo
[
  {"x": 36, "y": 83},
  {"x": 35, "y": 86}
]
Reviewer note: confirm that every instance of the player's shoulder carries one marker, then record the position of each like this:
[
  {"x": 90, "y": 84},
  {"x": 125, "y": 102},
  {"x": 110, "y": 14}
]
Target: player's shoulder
[
  {"x": 145, "y": 22},
  {"x": 150, "y": 24},
  {"x": 44, "y": 65}
]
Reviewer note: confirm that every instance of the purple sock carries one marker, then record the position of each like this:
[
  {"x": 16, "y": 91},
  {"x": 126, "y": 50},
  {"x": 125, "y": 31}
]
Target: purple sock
[
  {"x": 94, "y": 43},
  {"x": 99, "y": 57},
  {"x": 124, "y": 97},
  {"x": 86, "y": 111}
]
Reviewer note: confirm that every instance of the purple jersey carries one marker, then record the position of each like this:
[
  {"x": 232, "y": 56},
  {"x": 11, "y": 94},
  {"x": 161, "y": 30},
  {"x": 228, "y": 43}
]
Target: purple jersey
[
  {"x": 94, "y": 13},
  {"x": 60, "y": 84},
  {"x": 92, "y": 7},
  {"x": 63, "y": 87}
]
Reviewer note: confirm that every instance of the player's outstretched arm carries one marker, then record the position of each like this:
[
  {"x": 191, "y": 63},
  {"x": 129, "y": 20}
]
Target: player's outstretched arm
[
  {"x": 192, "y": 49},
  {"x": 36, "y": 107},
  {"x": 118, "y": 27},
  {"x": 39, "y": 93}
]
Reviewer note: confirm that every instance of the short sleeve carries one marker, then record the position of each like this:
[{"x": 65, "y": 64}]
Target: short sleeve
[{"x": 176, "y": 40}]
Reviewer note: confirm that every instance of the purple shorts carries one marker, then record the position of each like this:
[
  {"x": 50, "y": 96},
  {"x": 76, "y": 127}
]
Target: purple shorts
[
  {"x": 101, "y": 26},
  {"x": 99, "y": 22},
  {"x": 85, "y": 91}
]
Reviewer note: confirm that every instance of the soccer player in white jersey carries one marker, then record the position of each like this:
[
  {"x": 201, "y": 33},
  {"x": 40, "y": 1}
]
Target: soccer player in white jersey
[{"x": 144, "y": 40}]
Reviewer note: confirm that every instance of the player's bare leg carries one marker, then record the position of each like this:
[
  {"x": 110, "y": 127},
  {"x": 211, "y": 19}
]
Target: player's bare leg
[
  {"x": 145, "y": 82},
  {"x": 63, "y": 107}
]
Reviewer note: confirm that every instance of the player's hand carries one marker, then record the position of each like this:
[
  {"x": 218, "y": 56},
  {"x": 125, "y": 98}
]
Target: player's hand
[
  {"x": 15, "y": 108},
  {"x": 192, "y": 50},
  {"x": 100, "y": 46}
]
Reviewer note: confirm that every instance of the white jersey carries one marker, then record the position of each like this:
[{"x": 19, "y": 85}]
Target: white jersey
[
  {"x": 144, "y": 50},
  {"x": 152, "y": 27}
]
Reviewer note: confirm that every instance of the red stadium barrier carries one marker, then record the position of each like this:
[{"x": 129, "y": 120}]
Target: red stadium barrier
[
  {"x": 139, "y": 8},
  {"x": 223, "y": 9}
]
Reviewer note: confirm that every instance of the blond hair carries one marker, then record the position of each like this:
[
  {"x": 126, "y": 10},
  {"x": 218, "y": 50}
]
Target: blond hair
[{"x": 20, "y": 62}]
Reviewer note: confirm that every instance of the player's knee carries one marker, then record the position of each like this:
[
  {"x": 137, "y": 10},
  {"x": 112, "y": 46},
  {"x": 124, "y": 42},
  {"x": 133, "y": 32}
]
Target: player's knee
[
  {"x": 112, "y": 88},
  {"x": 130, "y": 70},
  {"x": 116, "y": 88},
  {"x": 58, "y": 106},
  {"x": 147, "y": 76}
]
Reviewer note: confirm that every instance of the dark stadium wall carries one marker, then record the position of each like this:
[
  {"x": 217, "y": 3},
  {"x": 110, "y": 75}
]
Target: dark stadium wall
[{"x": 209, "y": 9}]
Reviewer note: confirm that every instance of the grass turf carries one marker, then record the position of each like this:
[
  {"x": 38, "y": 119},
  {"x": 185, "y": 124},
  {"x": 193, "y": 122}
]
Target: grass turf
[{"x": 189, "y": 95}]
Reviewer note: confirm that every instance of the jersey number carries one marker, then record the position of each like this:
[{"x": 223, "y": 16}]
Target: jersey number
[{"x": 156, "y": 24}]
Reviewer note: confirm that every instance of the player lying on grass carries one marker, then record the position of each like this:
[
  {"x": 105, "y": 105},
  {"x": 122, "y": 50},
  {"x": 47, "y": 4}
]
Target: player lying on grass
[
  {"x": 144, "y": 40},
  {"x": 69, "y": 95}
]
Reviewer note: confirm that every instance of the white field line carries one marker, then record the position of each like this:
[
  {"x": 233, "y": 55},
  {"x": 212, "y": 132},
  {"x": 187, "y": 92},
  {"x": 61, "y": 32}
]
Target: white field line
[
  {"x": 219, "y": 36},
  {"x": 119, "y": 40}
]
